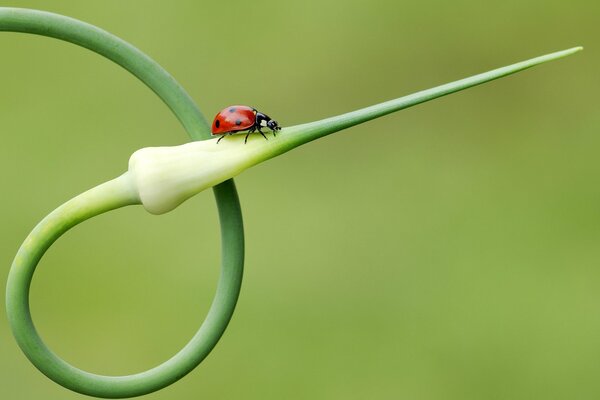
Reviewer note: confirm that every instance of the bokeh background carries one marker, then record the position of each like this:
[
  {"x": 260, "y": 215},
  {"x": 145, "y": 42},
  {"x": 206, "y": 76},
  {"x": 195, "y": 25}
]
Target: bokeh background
[{"x": 449, "y": 251}]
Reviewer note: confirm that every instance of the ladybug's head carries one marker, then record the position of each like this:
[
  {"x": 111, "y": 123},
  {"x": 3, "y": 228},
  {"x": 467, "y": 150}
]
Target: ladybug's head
[{"x": 272, "y": 124}]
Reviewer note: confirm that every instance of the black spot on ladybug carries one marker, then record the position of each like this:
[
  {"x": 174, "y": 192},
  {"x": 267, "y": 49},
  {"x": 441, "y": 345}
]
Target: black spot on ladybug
[
  {"x": 217, "y": 123},
  {"x": 238, "y": 122},
  {"x": 232, "y": 110}
]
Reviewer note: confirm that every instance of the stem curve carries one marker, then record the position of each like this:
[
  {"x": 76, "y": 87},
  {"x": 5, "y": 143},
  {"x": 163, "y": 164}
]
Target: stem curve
[
  {"x": 98, "y": 200},
  {"x": 108, "y": 196},
  {"x": 115, "y": 49}
]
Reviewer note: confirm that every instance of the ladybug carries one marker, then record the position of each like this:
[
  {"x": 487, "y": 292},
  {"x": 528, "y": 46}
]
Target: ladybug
[{"x": 235, "y": 119}]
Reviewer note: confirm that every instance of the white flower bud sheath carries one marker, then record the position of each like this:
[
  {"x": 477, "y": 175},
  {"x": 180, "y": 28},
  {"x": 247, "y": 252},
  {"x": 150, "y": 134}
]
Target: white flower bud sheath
[{"x": 165, "y": 177}]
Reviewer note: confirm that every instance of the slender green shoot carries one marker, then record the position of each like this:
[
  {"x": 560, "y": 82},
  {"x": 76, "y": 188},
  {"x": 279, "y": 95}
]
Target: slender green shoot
[
  {"x": 167, "y": 176},
  {"x": 161, "y": 179}
]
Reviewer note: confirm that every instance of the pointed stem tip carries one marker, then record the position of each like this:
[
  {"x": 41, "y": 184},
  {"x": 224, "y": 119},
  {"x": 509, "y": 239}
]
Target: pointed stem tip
[{"x": 301, "y": 134}]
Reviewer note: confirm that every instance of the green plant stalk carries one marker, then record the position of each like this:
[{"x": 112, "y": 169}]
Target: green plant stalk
[
  {"x": 162, "y": 178},
  {"x": 167, "y": 176},
  {"x": 96, "y": 201},
  {"x": 305, "y": 133},
  {"x": 115, "y": 49},
  {"x": 106, "y": 197}
]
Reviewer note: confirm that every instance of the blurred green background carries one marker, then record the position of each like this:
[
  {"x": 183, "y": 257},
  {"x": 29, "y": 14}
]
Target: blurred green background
[{"x": 449, "y": 251}]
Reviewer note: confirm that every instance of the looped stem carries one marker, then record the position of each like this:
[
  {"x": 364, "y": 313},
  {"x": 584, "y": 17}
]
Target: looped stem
[
  {"x": 106, "y": 197},
  {"x": 112, "y": 195}
]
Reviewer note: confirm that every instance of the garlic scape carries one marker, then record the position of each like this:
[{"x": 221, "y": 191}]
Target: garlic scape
[
  {"x": 161, "y": 178},
  {"x": 164, "y": 177}
]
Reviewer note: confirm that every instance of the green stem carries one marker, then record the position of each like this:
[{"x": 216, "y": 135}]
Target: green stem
[
  {"x": 99, "y": 200},
  {"x": 231, "y": 160},
  {"x": 115, "y": 49},
  {"x": 297, "y": 135},
  {"x": 167, "y": 176},
  {"x": 109, "y": 196}
]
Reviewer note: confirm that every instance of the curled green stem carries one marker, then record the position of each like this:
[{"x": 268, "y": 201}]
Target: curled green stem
[
  {"x": 110, "y": 46},
  {"x": 117, "y": 194},
  {"x": 162, "y": 178},
  {"x": 106, "y": 197}
]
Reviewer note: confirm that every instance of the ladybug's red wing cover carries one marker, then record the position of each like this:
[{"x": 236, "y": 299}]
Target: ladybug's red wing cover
[{"x": 233, "y": 119}]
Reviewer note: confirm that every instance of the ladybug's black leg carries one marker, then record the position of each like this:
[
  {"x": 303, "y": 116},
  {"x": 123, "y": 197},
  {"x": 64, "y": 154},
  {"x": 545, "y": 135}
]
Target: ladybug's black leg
[
  {"x": 222, "y": 136},
  {"x": 261, "y": 132},
  {"x": 252, "y": 129}
]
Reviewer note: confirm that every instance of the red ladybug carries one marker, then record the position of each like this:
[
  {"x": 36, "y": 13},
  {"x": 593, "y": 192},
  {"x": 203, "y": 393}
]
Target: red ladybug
[{"x": 235, "y": 119}]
